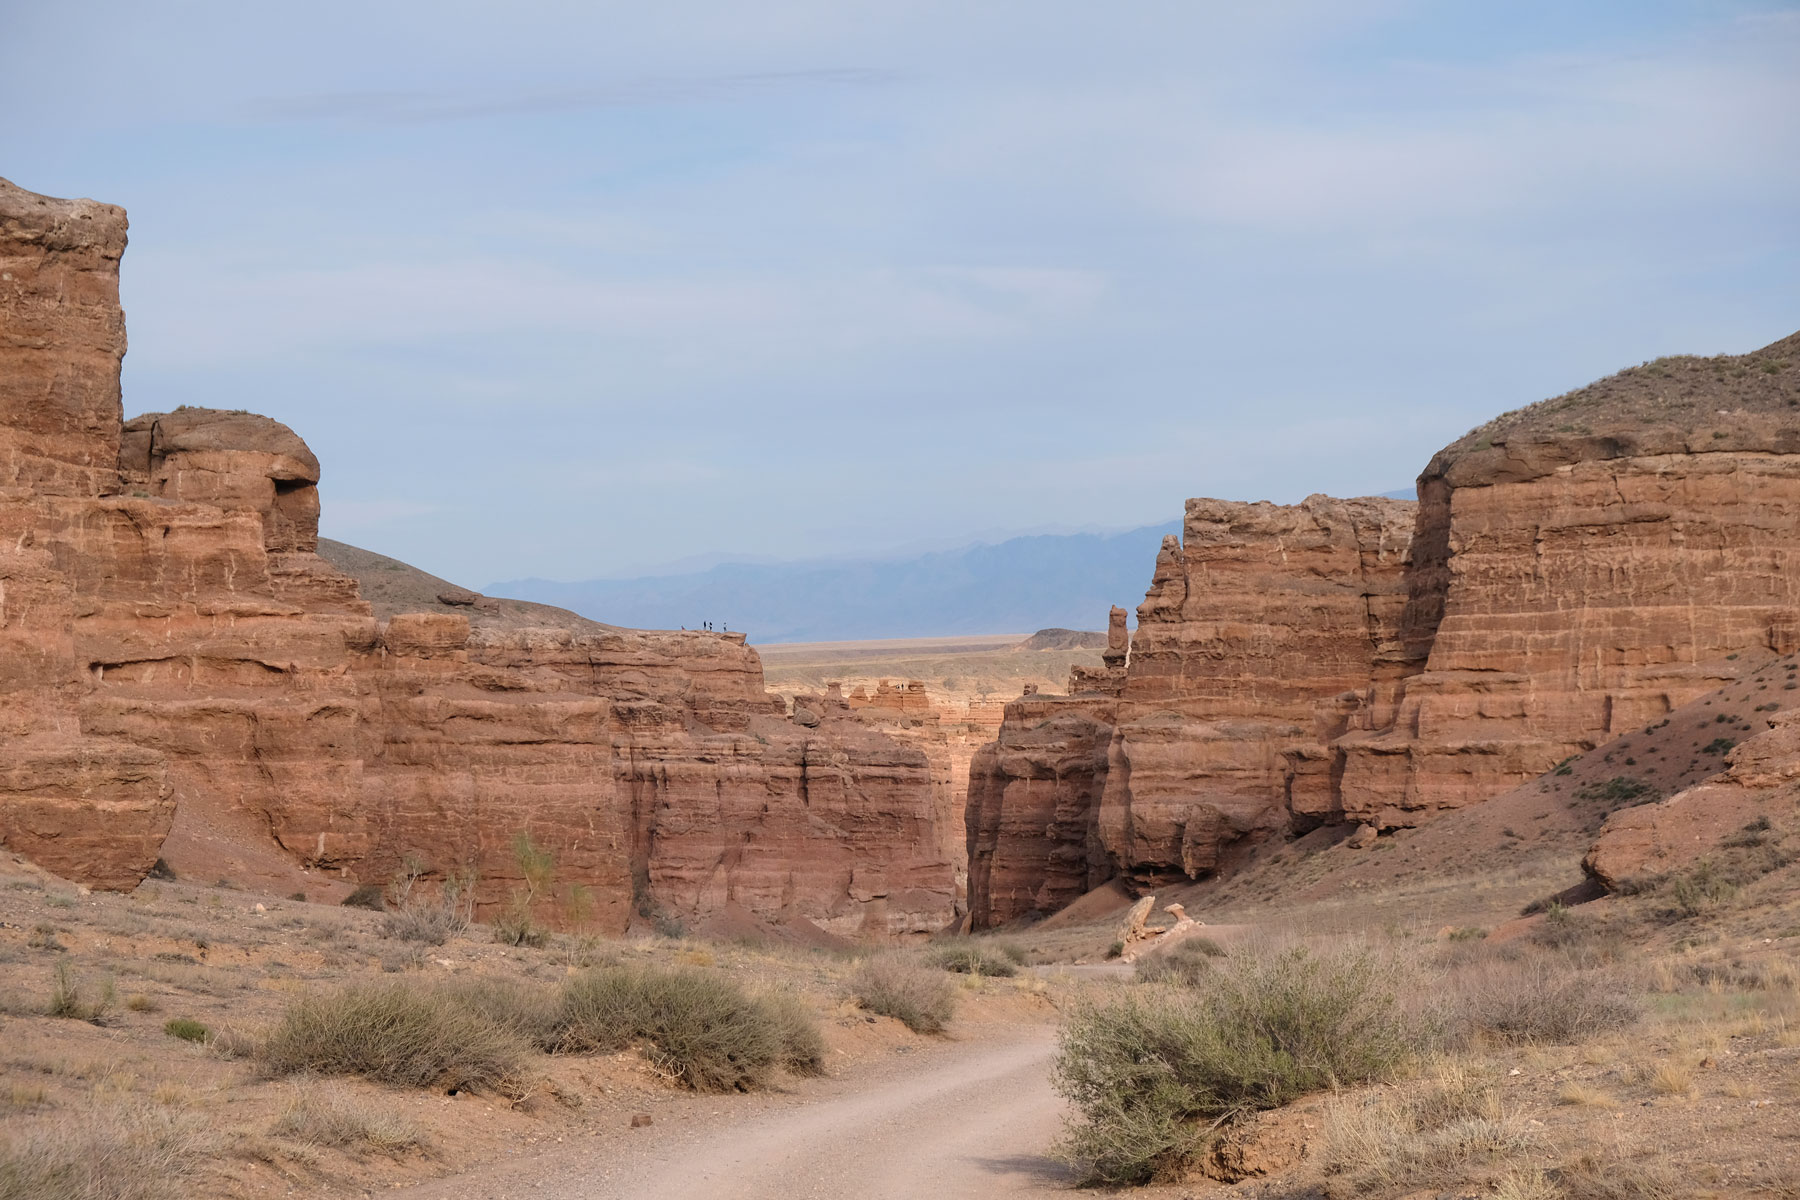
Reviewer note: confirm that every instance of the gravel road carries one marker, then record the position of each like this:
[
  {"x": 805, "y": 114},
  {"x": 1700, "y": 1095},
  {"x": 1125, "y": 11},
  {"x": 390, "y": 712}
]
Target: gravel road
[{"x": 960, "y": 1120}]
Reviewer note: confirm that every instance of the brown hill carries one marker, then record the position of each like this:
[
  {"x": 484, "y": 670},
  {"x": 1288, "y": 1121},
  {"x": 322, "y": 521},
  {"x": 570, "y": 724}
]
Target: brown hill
[{"x": 393, "y": 587}]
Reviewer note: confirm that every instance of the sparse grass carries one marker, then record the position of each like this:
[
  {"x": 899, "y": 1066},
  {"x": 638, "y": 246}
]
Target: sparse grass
[
  {"x": 1591, "y": 1177},
  {"x": 894, "y": 986},
  {"x": 1425, "y": 1139},
  {"x": 1672, "y": 1079},
  {"x": 395, "y": 1033},
  {"x": 138, "y": 1002},
  {"x": 101, "y": 1154},
  {"x": 1148, "y": 1070},
  {"x": 321, "y": 1114}
]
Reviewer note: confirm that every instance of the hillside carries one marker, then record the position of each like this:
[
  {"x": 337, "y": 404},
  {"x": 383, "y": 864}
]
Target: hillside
[{"x": 1034, "y": 582}]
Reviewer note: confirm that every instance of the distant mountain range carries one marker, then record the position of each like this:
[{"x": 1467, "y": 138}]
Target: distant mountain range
[{"x": 1018, "y": 585}]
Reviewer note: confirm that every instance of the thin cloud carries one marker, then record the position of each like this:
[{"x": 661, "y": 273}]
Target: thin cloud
[{"x": 417, "y": 107}]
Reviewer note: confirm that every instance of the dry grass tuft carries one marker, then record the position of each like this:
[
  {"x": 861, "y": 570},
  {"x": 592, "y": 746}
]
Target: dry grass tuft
[
  {"x": 1580, "y": 1095},
  {"x": 894, "y": 986},
  {"x": 327, "y": 1115},
  {"x": 101, "y": 1154}
]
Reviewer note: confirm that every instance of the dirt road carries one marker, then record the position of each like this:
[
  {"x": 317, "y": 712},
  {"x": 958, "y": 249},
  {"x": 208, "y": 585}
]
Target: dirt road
[{"x": 959, "y": 1120}]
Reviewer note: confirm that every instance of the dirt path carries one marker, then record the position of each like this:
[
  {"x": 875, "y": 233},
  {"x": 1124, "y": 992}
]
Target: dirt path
[{"x": 965, "y": 1119}]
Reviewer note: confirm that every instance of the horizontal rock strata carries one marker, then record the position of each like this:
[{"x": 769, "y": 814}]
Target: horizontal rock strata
[{"x": 175, "y": 655}]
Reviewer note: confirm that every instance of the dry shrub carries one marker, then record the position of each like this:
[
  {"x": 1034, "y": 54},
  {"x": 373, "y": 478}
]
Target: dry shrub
[
  {"x": 146, "y": 1154},
  {"x": 894, "y": 986},
  {"x": 1430, "y": 1138},
  {"x": 1147, "y": 1071},
  {"x": 530, "y": 1011},
  {"x": 1593, "y": 1178},
  {"x": 395, "y": 1033},
  {"x": 1538, "y": 998},
  {"x": 1190, "y": 962},
  {"x": 976, "y": 956},
  {"x": 802, "y": 1043},
  {"x": 696, "y": 1026},
  {"x": 328, "y": 1115}
]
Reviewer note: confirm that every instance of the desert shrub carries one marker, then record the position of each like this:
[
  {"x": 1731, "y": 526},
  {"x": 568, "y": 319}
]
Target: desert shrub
[
  {"x": 69, "y": 999},
  {"x": 693, "y": 1025},
  {"x": 1147, "y": 1071},
  {"x": 802, "y": 1044},
  {"x": 893, "y": 986},
  {"x": 530, "y": 1011},
  {"x": 395, "y": 1033},
  {"x": 1718, "y": 746},
  {"x": 1619, "y": 791},
  {"x": 518, "y": 925},
  {"x": 1538, "y": 999},
  {"x": 1188, "y": 962},
  {"x": 186, "y": 1029},
  {"x": 100, "y": 1155},
  {"x": 366, "y": 895},
  {"x": 327, "y": 1115},
  {"x": 972, "y": 956},
  {"x": 1592, "y": 1177},
  {"x": 434, "y": 919}
]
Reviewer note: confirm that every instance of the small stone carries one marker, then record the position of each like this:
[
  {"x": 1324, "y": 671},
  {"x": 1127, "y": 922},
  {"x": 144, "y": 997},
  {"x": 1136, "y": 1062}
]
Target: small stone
[{"x": 639, "y": 1120}]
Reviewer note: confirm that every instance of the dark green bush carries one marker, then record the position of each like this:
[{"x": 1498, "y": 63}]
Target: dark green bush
[{"x": 187, "y": 1030}]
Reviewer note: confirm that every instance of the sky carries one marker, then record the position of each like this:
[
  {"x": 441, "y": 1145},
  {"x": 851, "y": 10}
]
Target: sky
[{"x": 578, "y": 290}]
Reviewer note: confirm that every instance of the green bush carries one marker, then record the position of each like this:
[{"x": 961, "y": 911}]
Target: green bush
[
  {"x": 893, "y": 986},
  {"x": 187, "y": 1030},
  {"x": 396, "y": 1033},
  {"x": 693, "y": 1025},
  {"x": 1150, "y": 1070},
  {"x": 972, "y": 956}
]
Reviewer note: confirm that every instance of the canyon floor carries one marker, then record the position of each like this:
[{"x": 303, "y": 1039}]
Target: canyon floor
[{"x": 1700, "y": 1098}]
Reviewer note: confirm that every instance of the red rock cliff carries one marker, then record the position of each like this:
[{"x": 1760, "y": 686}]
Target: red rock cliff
[{"x": 174, "y": 654}]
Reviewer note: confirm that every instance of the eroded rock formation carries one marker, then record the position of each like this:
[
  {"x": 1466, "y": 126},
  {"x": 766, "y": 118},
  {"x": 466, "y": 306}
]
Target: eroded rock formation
[
  {"x": 175, "y": 655},
  {"x": 1572, "y": 570}
]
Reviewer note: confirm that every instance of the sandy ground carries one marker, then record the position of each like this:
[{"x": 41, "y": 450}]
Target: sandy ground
[{"x": 961, "y": 1119}]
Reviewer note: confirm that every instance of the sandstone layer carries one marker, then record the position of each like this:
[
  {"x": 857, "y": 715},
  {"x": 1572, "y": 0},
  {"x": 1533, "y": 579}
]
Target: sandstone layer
[
  {"x": 1572, "y": 571},
  {"x": 174, "y": 653}
]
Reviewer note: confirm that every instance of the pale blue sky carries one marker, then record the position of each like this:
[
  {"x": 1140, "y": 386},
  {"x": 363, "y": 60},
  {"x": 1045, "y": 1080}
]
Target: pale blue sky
[{"x": 576, "y": 289}]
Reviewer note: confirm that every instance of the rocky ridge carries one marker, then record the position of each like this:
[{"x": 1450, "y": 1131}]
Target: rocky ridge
[
  {"x": 178, "y": 660},
  {"x": 1572, "y": 571}
]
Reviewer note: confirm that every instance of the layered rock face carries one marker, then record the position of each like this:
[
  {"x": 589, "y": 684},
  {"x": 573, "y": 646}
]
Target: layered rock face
[
  {"x": 1033, "y": 841},
  {"x": 1266, "y": 633},
  {"x": 1567, "y": 588},
  {"x": 175, "y": 655},
  {"x": 1572, "y": 570}
]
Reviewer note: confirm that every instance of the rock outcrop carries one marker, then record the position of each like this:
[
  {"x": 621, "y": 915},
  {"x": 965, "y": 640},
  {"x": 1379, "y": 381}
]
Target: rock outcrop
[
  {"x": 1572, "y": 571},
  {"x": 1754, "y": 803},
  {"x": 1267, "y": 632},
  {"x": 1583, "y": 567},
  {"x": 176, "y": 659}
]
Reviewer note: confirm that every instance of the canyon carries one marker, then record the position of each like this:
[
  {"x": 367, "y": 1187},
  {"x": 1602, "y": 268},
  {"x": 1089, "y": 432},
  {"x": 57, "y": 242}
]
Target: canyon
[
  {"x": 186, "y": 679},
  {"x": 1571, "y": 571},
  {"x": 193, "y": 678}
]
